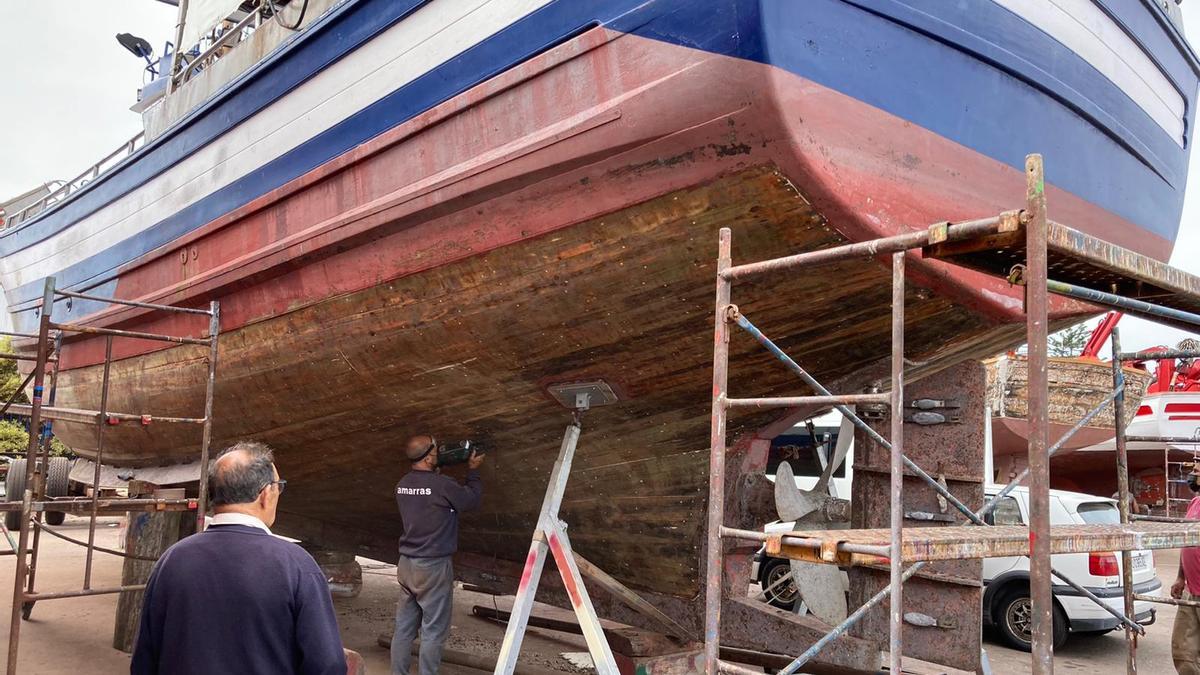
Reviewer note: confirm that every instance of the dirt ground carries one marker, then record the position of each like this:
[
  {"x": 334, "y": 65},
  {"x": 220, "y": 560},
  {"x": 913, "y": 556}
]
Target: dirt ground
[{"x": 70, "y": 637}]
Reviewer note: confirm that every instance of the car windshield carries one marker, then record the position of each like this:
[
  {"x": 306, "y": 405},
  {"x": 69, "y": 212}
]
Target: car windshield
[{"x": 1099, "y": 513}]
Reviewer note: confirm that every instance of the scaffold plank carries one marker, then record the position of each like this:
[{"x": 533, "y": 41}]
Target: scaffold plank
[
  {"x": 956, "y": 543},
  {"x": 1082, "y": 260}
]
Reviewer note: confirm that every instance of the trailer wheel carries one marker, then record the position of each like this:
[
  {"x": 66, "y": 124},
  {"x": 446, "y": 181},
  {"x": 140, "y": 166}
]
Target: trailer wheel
[
  {"x": 14, "y": 491},
  {"x": 58, "y": 483}
]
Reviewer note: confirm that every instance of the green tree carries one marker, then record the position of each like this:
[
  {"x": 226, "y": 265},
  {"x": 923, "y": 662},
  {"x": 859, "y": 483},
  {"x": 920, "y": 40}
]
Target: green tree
[
  {"x": 13, "y": 437},
  {"x": 15, "y": 441},
  {"x": 10, "y": 377},
  {"x": 1069, "y": 341}
]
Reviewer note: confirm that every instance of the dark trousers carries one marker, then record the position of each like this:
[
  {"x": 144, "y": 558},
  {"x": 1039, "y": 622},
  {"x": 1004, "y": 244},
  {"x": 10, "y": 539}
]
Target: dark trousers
[{"x": 426, "y": 602}]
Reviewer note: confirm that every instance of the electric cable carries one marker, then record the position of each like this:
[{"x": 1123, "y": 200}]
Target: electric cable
[{"x": 299, "y": 19}]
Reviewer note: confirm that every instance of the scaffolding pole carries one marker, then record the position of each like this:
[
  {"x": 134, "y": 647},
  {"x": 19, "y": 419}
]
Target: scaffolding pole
[
  {"x": 1131, "y": 638},
  {"x": 714, "y": 553},
  {"x": 34, "y": 501},
  {"x": 39, "y": 382},
  {"x": 1036, "y": 311},
  {"x": 895, "y": 565},
  {"x": 1035, "y": 245}
]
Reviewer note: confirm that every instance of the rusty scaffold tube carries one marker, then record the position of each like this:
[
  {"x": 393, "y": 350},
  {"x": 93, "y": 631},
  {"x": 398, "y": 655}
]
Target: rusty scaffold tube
[
  {"x": 1131, "y": 637},
  {"x": 895, "y": 564},
  {"x": 39, "y": 382},
  {"x": 1036, "y": 317},
  {"x": 716, "y": 464}
]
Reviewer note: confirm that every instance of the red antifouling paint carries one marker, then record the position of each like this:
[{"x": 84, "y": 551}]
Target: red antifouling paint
[
  {"x": 527, "y": 573},
  {"x": 568, "y": 580}
]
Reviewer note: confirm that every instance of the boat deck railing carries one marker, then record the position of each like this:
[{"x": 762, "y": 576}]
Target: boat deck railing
[
  {"x": 214, "y": 44},
  {"x": 70, "y": 187}
]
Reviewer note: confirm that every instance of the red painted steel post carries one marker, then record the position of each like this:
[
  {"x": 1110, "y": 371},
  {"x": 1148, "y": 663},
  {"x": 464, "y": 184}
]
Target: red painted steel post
[
  {"x": 35, "y": 421},
  {"x": 895, "y": 618},
  {"x": 101, "y": 424},
  {"x": 1039, "y": 464},
  {"x": 1123, "y": 495},
  {"x": 716, "y": 462},
  {"x": 214, "y": 330}
]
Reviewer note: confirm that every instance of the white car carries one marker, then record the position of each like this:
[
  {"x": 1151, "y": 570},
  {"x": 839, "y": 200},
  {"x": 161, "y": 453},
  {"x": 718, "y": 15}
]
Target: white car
[{"x": 1006, "y": 602}]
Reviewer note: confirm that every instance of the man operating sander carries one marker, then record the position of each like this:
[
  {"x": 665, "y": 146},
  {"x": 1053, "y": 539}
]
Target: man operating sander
[{"x": 429, "y": 506}]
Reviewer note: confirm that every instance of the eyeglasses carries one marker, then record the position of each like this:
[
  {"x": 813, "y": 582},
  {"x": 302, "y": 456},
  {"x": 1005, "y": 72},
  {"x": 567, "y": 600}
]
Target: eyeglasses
[{"x": 281, "y": 483}]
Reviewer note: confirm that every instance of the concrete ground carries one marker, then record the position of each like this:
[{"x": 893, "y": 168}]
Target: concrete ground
[
  {"x": 1103, "y": 653},
  {"x": 70, "y": 637}
]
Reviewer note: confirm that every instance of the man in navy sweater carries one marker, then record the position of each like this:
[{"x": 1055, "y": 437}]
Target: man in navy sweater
[
  {"x": 235, "y": 599},
  {"x": 429, "y": 506}
]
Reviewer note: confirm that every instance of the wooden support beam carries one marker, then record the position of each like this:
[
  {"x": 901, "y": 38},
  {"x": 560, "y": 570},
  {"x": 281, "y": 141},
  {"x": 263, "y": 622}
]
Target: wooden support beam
[
  {"x": 632, "y": 599},
  {"x": 624, "y": 640}
]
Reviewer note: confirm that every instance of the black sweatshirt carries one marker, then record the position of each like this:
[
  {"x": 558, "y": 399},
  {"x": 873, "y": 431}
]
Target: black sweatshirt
[
  {"x": 429, "y": 504},
  {"x": 236, "y": 600}
]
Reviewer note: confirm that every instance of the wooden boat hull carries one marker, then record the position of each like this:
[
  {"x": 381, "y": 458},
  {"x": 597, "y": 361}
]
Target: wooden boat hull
[
  {"x": 1077, "y": 386},
  {"x": 558, "y": 222}
]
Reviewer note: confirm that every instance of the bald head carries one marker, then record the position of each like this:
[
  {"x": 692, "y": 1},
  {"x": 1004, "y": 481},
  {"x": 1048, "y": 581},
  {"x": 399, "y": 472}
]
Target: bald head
[
  {"x": 240, "y": 473},
  {"x": 418, "y": 447}
]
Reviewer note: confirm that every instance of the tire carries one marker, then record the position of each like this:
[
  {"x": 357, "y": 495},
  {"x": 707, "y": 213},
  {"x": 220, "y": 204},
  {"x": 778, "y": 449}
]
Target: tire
[
  {"x": 784, "y": 595},
  {"x": 14, "y": 491},
  {"x": 1012, "y": 619},
  {"x": 58, "y": 484}
]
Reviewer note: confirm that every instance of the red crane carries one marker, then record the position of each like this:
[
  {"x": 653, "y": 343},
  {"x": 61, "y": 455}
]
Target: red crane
[{"x": 1100, "y": 335}]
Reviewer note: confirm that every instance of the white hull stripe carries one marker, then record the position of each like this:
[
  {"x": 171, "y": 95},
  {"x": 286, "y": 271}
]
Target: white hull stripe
[
  {"x": 428, "y": 38},
  {"x": 1087, "y": 30}
]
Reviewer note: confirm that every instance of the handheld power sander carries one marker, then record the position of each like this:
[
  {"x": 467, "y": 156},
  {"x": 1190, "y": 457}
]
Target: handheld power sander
[{"x": 457, "y": 453}]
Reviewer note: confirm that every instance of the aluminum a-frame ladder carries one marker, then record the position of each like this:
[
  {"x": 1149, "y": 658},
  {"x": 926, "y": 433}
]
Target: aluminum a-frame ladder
[{"x": 551, "y": 535}]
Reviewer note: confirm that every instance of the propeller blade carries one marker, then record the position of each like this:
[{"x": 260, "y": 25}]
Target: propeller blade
[
  {"x": 791, "y": 502},
  {"x": 822, "y": 590}
]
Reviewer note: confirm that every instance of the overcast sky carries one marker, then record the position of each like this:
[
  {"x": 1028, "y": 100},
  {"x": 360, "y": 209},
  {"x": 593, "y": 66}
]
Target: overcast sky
[{"x": 67, "y": 87}]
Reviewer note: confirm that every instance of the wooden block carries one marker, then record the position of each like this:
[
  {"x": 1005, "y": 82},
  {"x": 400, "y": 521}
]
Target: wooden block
[{"x": 147, "y": 535}]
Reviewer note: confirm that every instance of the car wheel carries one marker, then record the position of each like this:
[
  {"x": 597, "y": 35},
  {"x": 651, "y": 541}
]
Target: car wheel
[
  {"x": 778, "y": 585},
  {"x": 1014, "y": 618},
  {"x": 14, "y": 491},
  {"x": 58, "y": 479}
]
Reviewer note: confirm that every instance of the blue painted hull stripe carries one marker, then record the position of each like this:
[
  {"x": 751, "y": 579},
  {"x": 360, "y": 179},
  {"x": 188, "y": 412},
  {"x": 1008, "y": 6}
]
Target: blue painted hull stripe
[
  {"x": 328, "y": 40},
  {"x": 1062, "y": 78},
  {"x": 733, "y": 28}
]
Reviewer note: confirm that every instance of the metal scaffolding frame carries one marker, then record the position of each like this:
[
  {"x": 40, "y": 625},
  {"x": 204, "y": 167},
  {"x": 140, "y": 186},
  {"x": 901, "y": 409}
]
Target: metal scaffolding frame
[
  {"x": 1016, "y": 245},
  {"x": 1122, "y": 440},
  {"x": 41, "y": 412}
]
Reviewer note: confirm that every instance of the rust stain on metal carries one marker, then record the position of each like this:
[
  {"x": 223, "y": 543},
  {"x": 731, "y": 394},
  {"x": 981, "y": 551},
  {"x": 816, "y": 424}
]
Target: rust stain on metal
[{"x": 955, "y": 543}]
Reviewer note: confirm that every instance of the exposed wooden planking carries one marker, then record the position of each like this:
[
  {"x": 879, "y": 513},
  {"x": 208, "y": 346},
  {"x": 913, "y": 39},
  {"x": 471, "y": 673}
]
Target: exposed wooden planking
[{"x": 467, "y": 349}]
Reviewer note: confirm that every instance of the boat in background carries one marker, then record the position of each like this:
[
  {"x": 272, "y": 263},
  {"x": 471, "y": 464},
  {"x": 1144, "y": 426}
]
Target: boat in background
[
  {"x": 422, "y": 216},
  {"x": 1076, "y": 386},
  {"x": 1170, "y": 409},
  {"x": 1162, "y": 403}
]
